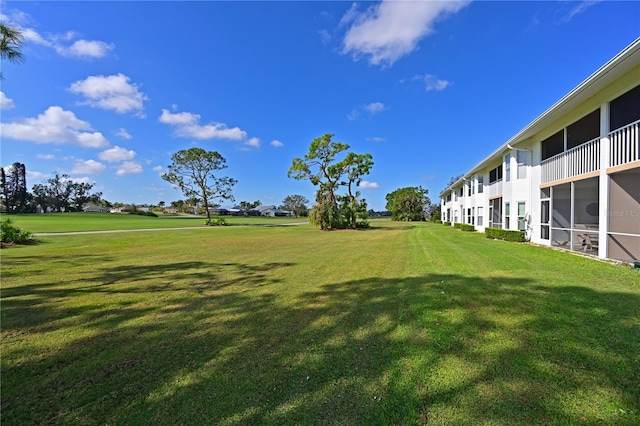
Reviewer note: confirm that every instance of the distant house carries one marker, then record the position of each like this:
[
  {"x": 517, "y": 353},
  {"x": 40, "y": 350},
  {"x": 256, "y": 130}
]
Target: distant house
[
  {"x": 94, "y": 208},
  {"x": 219, "y": 211},
  {"x": 271, "y": 211}
]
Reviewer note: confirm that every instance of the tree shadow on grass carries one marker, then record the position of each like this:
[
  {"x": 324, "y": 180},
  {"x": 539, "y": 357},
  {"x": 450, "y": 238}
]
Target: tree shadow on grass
[{"x": 437, "y": 349}]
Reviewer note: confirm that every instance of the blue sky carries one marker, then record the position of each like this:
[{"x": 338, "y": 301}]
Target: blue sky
[{"x": 109, "y": 90}]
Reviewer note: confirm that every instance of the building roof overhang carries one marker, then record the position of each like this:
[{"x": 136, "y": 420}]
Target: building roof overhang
[{"x": 616, "y": 67}]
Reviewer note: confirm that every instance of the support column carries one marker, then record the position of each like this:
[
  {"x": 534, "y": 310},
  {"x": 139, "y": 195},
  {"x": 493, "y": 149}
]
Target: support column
[{"x": 603, "y": 193}]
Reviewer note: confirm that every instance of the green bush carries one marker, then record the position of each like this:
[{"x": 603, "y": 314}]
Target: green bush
[
  {"x": 504, "y": 234},
  {"x": 13, "y": 234},
  {"x": 142, "y": 213},
  {"x": 464, "y": 227},
  {"x": 219, "y": 221},
  {"x": 435, "y": 218},
  {"x": 446, "y": 223}
]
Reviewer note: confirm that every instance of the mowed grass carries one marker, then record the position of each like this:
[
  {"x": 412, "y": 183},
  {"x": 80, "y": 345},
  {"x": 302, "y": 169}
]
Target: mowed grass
[
  {"x": 400, "y": 324},
  {"x": 82, "y": 222}
]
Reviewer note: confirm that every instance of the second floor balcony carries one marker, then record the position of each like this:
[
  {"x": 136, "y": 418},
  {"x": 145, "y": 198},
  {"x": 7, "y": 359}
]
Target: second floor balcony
[{"x": 623, "y": 148}]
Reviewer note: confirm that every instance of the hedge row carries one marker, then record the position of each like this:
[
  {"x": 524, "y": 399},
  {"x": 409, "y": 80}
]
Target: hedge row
[
  {"x": 464, "y": 227},
  {"x": 446, "y": 223},
  {"x": 503, "y": 234}
]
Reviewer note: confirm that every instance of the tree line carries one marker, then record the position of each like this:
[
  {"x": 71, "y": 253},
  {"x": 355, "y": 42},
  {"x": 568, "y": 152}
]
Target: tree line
[
  {"x": 57, "y": 194},
  {"x": 328, "y": 165}
]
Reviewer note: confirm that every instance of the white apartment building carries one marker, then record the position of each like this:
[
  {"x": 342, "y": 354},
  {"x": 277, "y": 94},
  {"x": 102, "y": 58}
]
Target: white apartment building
[{"x": 571, "y": 178}]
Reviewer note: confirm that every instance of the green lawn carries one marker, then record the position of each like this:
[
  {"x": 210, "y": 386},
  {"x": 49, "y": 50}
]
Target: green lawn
[
  {"x": 400, "y": 324},
  {"x": 78, "y": 222}
]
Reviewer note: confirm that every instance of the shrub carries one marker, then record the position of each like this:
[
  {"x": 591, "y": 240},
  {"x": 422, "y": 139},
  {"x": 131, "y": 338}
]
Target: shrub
[
  {"x": 13, "y": 234},
  {"x": 435, "y": 218},
  {"x": 220, "y": 221},
  {"x": 142, "y": 213},
  {"x": 464, "y": 227},
  {"x": 446, "y": 223},
  {"x": 363, "y": 224},
  {"x": 504, "y": 234}
]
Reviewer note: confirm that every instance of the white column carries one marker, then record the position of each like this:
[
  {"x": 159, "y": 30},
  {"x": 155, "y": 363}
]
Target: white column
[{"x": 603, "y": 202}]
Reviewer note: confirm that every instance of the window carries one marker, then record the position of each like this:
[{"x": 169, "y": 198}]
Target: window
[
  {"x": 507, "y": 213},
  {"x": 625, "y": 109},
  {"x": 480, "y": 183},
  {"x": 507, "y": 167},
  {"x": 522, "y": 158},
  {"x": 553, "y": 145},
  {"x": 469, "y": 217},
  {"x": 480, "y": 212},
  {"x": 522, "y": 224},
  {"x": 584, "y": 130},
  {"x": 469, "y": 186},
  {"x": 495, "y": 174}
]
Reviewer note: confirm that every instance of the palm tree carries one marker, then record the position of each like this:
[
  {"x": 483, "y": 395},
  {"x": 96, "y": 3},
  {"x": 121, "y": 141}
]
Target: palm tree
[{"x": 10, "y": 44}]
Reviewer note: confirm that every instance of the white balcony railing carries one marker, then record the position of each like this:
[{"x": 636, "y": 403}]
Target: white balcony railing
[
  {"x": 494, "y": 188},
  {"x": 624, "y": 146},
  {"x": 577, "y": 161}
]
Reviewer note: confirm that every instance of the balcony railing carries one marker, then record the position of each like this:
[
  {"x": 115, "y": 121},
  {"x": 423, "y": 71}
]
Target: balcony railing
[
  {"x": 495, "y": 188},
  {"x": 577, "y": 161},
  {"x": 624, "y": 145}
]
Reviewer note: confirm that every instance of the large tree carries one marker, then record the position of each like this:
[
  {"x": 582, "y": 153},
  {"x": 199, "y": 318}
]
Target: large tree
[
  {"x": 14, "y": 188},
  {"x": 354, "y": 167},
  {"x": 10, "y": 44},
  {"x": 296, "y": 204},
  {"x": 408, "y": 203},
  {"x": 194, "y": 171},
  {"x": 322, "y": 168},
  {"x": 61, "y": 193}
]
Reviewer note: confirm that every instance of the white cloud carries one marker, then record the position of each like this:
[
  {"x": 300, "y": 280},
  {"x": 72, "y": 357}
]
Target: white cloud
[
  {"x": 377, "y": 139},
  {"x": 87, "y": 49},
  {"x": 253, "y": 143},
  {"x": 123, "y": 134},
  {"x": 88, "y": 167},
  {"x": 276, "y": 143},
  {"x": 325, "y": 37},
  {"x": 578, "y": 9},
  {"x": 45, "y": 156},
  {"x": 84, "y": 179},
  {"x": 32, "y": 35},
  {"x": 83, "y": 49},
  {"x": 158, "y": 169},
  {"x": 433, "y": 83},
  {"x": 372, "y": 108},
  {"x": 368, "y": 185},
  {"x": 390, "y": 30},
  {"x": 430, "y": 81},
  {"x": 55, "y": 125},
  {"x": 5, "y": 103},
  {"x": 128, "y": 168},
  {"x": 187, "y": 125},
  {"x": 375, "y": 107},
  {"x": 116, "y": 154},
  {"x": 113, "y": 92},
  {"x": 35, "y": 176}
]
